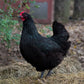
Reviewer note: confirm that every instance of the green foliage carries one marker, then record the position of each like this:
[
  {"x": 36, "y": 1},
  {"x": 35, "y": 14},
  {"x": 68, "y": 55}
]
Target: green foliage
[
  {"x": 48, "y": 36},
  {"x": 21, "y": 3},
  {"x": 1, "y": 11},
  {"x": 27, "y": 6},
  {"x": 48, "y": 27},
  {"x": 32, "y": 1},
  {"x": 36, "y": 6},
  {"x": 16, "y": 38},
  {"x": 7, "y": 24},
  {"x": 6, "y": 29}
]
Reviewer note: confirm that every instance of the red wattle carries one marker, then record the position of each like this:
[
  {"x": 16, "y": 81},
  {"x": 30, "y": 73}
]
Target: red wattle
[{"x": 22, "y": 18}]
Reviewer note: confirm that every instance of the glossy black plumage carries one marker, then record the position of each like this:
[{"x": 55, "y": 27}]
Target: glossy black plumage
[
  {"x": 41, "y": 52},
  {"x": 61, "y": 36}
]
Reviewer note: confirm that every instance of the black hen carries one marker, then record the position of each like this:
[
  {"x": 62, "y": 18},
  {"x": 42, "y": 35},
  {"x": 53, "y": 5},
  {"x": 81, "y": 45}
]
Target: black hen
[
  {"x": 61, "y": 36},
  {"x": 41, "y": 52}
]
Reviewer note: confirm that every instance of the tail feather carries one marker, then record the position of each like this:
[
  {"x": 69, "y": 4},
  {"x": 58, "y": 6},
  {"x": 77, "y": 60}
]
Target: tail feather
[{"x": 61, "y": 36}]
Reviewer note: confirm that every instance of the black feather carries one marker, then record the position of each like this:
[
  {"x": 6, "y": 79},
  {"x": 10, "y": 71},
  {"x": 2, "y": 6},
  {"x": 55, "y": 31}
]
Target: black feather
[{"x": 61, "y": 36}]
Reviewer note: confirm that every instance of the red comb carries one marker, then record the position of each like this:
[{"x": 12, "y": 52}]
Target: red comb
[{"x": 21, "y": 13}]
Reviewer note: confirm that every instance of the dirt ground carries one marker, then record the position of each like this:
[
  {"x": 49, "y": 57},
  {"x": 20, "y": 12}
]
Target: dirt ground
[{"x": 13, "y": 65}]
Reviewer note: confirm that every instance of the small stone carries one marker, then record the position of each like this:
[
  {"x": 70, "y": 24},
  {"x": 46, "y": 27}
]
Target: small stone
[{"x": 81, "y": 59}]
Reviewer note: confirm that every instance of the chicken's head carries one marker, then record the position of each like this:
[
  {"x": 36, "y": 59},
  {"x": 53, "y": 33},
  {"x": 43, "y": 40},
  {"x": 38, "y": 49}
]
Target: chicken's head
[{"x": 24, "y": 16}]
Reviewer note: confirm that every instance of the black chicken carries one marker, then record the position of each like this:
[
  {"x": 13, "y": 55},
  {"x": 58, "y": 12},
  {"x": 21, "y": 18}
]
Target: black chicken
[{"x": 41, "y": 52}]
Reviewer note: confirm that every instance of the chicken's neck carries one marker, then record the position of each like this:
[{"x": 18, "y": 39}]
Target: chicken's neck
[{"x": 30, "y": 28}]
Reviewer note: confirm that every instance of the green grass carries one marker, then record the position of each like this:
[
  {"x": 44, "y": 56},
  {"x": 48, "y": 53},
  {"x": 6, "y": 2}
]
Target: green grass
[{"x": 6, "y": 30}]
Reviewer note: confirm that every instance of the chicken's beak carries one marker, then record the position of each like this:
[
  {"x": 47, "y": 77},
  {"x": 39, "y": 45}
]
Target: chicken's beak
[{"x": 19, "y": 16}]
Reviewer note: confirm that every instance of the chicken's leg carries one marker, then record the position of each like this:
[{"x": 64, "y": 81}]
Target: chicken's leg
[
  {"x": 42, "y": 73},
  {"x": 49, "y": 73}
]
